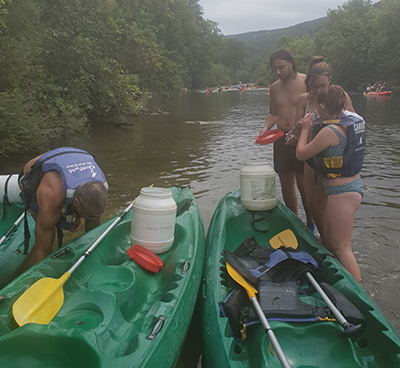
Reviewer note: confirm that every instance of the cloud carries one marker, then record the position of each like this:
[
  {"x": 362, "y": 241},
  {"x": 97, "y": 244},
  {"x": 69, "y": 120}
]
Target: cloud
[{"x": 238, "y": 16}]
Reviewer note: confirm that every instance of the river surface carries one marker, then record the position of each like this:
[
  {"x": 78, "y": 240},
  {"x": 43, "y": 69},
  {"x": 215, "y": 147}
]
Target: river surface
[{"x": 203, "y": 140}]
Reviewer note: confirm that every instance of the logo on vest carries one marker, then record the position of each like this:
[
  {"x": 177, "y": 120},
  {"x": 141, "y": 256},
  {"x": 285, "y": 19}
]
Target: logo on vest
[
  {"x": 359, "y": 127},
  {"x": 83, "y": 166}
]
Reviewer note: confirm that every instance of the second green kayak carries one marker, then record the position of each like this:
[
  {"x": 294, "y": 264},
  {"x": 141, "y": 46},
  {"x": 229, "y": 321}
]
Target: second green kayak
[{"x": 304, "y": 344}]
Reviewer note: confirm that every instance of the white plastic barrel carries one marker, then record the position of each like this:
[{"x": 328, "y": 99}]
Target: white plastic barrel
[
  {"x": 11, "y": 187},
  {"x": 258, "y": 186},
  {"x": 153, "y": 219}
]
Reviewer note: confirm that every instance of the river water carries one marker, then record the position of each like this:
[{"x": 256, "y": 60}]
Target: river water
[{"x": 203, "y": 140}]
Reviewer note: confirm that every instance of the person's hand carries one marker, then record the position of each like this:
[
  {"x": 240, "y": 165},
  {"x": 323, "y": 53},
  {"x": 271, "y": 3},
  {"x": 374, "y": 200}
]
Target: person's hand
[
  {"x": 291, "y": 139},
  {"x": 306, "y": 121},
  {"x": 263, "y": 130},
  {"x": 77, "y": 224}
]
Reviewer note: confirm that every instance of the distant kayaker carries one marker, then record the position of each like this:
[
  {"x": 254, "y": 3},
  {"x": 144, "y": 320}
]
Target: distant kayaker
[
  {"x": 369, "y": 88},
  {"x": 284, "y": 94},
  {"x": 338, "y": 147},
  {"x": 62, "y": 187}
]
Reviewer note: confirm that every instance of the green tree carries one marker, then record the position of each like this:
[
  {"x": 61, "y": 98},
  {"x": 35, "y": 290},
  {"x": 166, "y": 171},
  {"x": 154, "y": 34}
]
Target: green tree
[
  {"x": 193, "y": 43},
  {"x": 346, "y": 42},
  {"x": 385, "y": 45},
  {"x": 234, "y": 57}
]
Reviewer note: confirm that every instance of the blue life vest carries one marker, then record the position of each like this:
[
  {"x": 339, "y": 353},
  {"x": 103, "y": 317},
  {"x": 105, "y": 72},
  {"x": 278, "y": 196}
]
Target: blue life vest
[
  {"x": 76, "y": 167},
  {"x": 350, "y": 163}
]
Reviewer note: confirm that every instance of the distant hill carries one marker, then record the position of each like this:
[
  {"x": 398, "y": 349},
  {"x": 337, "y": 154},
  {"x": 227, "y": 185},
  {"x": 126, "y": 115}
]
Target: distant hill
[{"x": 261, "y": 44}]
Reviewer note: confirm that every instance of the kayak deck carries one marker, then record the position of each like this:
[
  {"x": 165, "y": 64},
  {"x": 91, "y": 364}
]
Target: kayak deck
[
  {"x": 111, "y": 304},
  {"x": 314, "y": 344}
]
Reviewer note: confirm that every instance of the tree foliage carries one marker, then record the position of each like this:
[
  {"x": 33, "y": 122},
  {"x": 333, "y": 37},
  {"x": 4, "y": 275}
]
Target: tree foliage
[
  {"x": 359, "y": 40},
  {"x": 63, "y": 62}
]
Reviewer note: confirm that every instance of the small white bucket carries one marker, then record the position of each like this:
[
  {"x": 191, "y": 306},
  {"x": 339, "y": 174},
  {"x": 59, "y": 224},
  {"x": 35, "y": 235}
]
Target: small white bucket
[
  {"x": 11, "y": 187},
  {"x": 258, "y": 186},
  {"x": 153, "y": 219}
]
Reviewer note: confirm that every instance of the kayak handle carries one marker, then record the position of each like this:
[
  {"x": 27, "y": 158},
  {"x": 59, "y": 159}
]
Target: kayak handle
[
  {"x": 157, "y": 328},
  {"x": 185, "y": 267}
]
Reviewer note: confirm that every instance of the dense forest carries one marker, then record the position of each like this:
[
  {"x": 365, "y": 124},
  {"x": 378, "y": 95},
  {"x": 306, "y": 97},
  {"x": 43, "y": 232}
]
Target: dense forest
[
  {"x": 360, "y": 41},
  {"x": 64, "y": 63}
]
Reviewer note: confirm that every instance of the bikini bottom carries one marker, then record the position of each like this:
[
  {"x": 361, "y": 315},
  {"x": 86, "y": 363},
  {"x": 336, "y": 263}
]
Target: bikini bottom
[{"x": 353, "y": 186}]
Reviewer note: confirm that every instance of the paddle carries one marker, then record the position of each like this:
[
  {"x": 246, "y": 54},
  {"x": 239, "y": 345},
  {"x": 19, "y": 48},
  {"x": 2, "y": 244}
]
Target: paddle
[
  {"x": 270, "y": 136},
  {"x": 287, "y": 239},
  {"x": 251, "y": 292},
  {"x": 19, "y": 219},
  {"x": 42, "y": 301}
]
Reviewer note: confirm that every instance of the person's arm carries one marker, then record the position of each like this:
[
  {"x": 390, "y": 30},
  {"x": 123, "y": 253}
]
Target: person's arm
[
  {"x": 349, "y": 104},
  {"x": 50, "y": 199},
  {"x": 272, "y": 116},
  {"x": 324, "y": 139}
]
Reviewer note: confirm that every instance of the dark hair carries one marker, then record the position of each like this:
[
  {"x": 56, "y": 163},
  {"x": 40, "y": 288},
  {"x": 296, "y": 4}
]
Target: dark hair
[
  {"x": 316, "y": 68},
  {"x": 283, "y": 54},
  {"x": 334, "y": 99},
  {"x": 92, "y": 194}
]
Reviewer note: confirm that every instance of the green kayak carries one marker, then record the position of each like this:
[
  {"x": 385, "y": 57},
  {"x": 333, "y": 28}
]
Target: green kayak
[
  {"x": 304, "y": 344},
  {"x": 115, "y": 313},
  {"x": 12, "y": 239}
]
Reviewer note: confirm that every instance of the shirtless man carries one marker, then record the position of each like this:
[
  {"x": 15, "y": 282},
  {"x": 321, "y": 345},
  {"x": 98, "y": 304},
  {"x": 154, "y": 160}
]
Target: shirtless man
[
  {"x": 284, "y": 94},
  {"x": 67, "y": 188}
]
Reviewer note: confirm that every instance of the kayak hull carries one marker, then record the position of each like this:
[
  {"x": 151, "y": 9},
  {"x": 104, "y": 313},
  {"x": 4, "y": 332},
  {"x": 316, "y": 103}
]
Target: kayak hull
[
  {"x": 12, "y": 247},
  {"x": 111, "y": 304},
  {"x": 385, "y": 93},
  {"x": 310, "y": 344}
]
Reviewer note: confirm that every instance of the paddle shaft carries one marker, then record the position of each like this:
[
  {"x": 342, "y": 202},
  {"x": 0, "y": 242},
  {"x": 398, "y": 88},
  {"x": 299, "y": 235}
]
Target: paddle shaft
[
  {"x": 270, "y": 333},
  {"x": 12, "y": 228},
  {"x": 98, "y": 241},
  {"x": 327, "y": 301}
]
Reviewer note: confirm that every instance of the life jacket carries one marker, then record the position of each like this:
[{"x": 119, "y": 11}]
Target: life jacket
[
  {"x": 350, "y": 163},
  {"x": 75, "y": 166},
  {"x": 277, "y": 275}
]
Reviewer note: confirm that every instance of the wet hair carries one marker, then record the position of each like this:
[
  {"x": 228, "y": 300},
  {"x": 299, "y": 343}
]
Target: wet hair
[
  {"x": 283, "y": 54},
  {"x": 316, "y": 68},
  {"x": 334, "y": 99},
  {"x": 92, "y": 194}
]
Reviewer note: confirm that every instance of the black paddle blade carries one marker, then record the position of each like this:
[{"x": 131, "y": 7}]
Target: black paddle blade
[{"x": 350, "y": 331}]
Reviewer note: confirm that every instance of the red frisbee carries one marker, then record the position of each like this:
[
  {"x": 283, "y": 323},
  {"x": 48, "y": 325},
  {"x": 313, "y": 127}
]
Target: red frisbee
[
  {"x": 145, "y": 258},
  {"x": 270, "y": 136}
]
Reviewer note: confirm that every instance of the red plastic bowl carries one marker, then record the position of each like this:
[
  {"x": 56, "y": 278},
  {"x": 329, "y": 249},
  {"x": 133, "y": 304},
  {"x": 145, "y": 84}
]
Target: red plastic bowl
[
  {"x": 145, "y": 258},
  {"x": 270, "y": 136}
]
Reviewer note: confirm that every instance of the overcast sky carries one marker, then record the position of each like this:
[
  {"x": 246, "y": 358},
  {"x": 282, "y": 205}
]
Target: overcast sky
[{"x": 240, "y": 16}]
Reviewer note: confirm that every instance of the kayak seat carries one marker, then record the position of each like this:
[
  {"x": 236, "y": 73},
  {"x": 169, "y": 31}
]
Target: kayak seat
[
  {"x": 38, "y": 347},
  {"x": 87, "y": 310}
]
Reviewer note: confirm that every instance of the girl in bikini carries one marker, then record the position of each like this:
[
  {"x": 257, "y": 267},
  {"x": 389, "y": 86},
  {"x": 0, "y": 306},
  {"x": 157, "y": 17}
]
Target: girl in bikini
[{"x": 342, "y": 185}]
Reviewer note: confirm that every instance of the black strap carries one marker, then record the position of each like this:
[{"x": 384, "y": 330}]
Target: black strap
[
  {"x": 60, "y": 236},
  {"x": 27, "y": 234},
  {"x": 6, "y": 202},
  {"x": 262, "y": 218}
]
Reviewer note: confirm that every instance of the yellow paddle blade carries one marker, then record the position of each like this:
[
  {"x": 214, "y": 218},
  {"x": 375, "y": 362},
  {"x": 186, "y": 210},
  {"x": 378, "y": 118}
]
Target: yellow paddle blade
[
  {"x": 250, "y": 289},
  {"x": 285, "y": 238},
  {"x": 41, "y": 302}
]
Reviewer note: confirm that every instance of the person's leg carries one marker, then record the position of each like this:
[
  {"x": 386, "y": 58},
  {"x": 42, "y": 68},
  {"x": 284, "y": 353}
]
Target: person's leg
[
  {"x": 301, "y": 187},
  {"x": 338, "y": 228},
  {"x": 289, "y": 193},
  {"x": 315, "y": 198}
]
